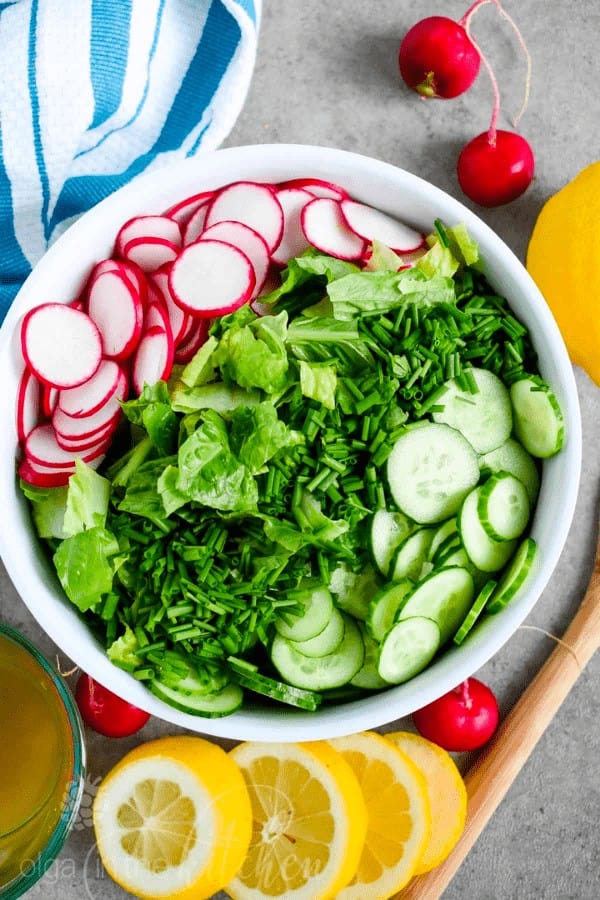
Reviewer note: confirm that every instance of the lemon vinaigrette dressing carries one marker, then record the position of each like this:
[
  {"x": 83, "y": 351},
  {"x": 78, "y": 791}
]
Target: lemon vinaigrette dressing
[{"x": 36, "y": 759}]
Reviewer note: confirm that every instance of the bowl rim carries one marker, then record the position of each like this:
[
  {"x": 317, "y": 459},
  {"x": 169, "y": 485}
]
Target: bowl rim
[{"x": 150, "y": 191}]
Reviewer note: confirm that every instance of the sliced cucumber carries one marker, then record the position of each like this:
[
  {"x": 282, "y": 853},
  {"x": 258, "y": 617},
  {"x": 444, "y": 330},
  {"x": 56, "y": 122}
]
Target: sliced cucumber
[
  {"x": 443, "y": 531},
  {"x": 449, "y": 546},
  {"x": 512, "y": 457},
  {"x": 316, "y": 603},
  {"x": 368, "y": 676},
  {"x": 197, "y": 683},
  {"x": 484, "y": 418},
  {"x": 408, "y": 647},
  {"x": 503, "y": 507},
  {"x": 388, "y": 530},
  {"x": 515, "y": 575},
  {"x": 278, "y": 690},
  {"x": 485, "y": 553},
  {"x": 445, "y": 597},
  {"x": 354, "y": 591},
  {"x": 539, "y": 423},
  {"x": 430, "y": 470},
  {"x": 323, "y": 672},
  {"x": 478, "y": 605},
  {"x": 411, "y": 554},
  {"x": 327, "y": 641},
  {"x": 211, "y": 706},
  {"x": 384, "y": 606}
]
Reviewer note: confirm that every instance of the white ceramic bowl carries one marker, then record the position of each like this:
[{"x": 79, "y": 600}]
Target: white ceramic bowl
[{"x": 58, "y": 277}]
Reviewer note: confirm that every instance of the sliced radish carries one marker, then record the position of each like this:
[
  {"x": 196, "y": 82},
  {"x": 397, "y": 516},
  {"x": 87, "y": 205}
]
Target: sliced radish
[
  {"x": 150, "y": 253},
  {"x": 86, "y": 426},
  {"x": 42, "y": 476},
  {"x": 293, "y": 240},
  {"x": 61, "y": 345},
  {"x": 374, "y": 225},
  {"x": 245, "y": 239},
  {"x": 116, "y": 308},
  {"x": 153, "y": 359},
  {"x": 211, "y": 278},
  {"x": 326, "y": 229},
  {"x": 28, "y": 404},
  {"x": 156, "y": 316},
  {"x": 188, "y": 349},
  {"x": 130, "y": 272},
  {"x": 89, "y": 397},
  {"x": 162, "y": 227},
  {"x": 180, "y": 320},
  {"x": 98, "y": 440},
  {"x": 42, "y": 448},
  {"x": 317, "y": 187},
  {"x": 273, "y": 281},
  {"x": 252, "y": 203},
  {"x": 195, "y": 226},
  {"x": 50, "y": 399},
  {"x": 183, "y": 211}
]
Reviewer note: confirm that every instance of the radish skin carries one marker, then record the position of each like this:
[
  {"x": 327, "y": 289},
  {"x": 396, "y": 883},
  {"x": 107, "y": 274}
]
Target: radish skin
[
  {"x": 153, "y": 359},
  {"x": 325, "y": 228},
  {"x": 150, "y": 253},
  {"x": 373, "y": 225},
  {"x": 42, "y": 448},
  {"x": 188, "y": 348},
  {"x": 28, "y": 404},
  {"x": 89, "y": 397},
  {"x": 252, "y": 203},
  {"x": 195, "y": 226},
  {"x": 162, "y": 227},
  {"x": 60, "y": 344},
  {"x": 211, "y": 278},
  {"x": 317, "y": 187},
  {"x": 184, "y": 210},
  {"x": 116, "y": 308},
  {"x": 293, "y": 240}
]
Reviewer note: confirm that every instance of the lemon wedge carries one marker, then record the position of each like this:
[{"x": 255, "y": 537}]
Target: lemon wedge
[
  {"x": 446, "y": 793},
  {"x": 309, "y": 822},
  {"x": 173, "y": 819},
  {"x": 399, "y": 818}
]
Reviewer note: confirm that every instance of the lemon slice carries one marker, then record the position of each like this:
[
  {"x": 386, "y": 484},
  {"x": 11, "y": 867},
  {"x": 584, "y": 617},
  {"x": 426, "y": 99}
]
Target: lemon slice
[
  {"x": 446, "y": 792},
  {"x": 173, "y": 819},
  {"x": 399, "y": 819},
  {"x": 309, "y": 822}
]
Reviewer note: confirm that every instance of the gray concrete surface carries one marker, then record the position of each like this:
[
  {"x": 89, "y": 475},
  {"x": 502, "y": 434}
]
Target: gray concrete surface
[{"x": 326, "y": 74}]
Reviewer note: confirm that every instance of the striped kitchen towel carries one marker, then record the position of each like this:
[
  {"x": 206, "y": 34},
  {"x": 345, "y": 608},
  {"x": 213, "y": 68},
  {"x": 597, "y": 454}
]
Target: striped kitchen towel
[{"x": 93, "y": 92}]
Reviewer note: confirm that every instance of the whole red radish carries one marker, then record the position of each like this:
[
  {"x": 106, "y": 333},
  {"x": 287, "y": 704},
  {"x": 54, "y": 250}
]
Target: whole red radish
[
  {"x": 495, "y": 168},
  {"x": 463, "y": 719},
  {"x": 438, "y": 59},
  {"x": 105, "y": 712}
]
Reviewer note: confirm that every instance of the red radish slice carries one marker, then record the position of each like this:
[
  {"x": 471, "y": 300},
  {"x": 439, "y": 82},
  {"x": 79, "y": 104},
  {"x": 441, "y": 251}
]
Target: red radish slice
[
  {"x": 156, "y": 316},
  {"x": 153, "y": 359},
  {"x": 97, "y": 442},
  {"x": 317, "y": 187},
  {"x": 50, "y": 399},
  {"x": 272, "y": 282},
  {"x": 38, "y": 477},
  {"x": 253, "y": 204},
  {"x": 183, "y": 211},
  {"x": 162, "y": 227},
  {"x": 187, "y": 350},
  {"x": 86, "y": 426},
  {"x": 245, "y": 239},
  {"x": 326, "y": 229},
  {"x": 61, "y": 345},
  {"x": 132, "y": 273},
  {"x": 150, "y": 253},
  {"x": 116, "y": 308},
  {"x": 180, "y": 321},
  {"x": 90, "y": 396},
  {"x": 42, "y": 448},
  {"x": 28, "y": 404},
  {"x": 195, "y": 226},
  {"x": 211, "y": 278},
  {"x": 374, "y": 225},
  {"x": 293, "y": 240},
  {"x": 77, "y": 304}
]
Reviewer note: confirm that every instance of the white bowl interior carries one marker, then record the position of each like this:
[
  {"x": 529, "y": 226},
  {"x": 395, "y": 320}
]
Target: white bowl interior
[{"x": 59, "y": 276}]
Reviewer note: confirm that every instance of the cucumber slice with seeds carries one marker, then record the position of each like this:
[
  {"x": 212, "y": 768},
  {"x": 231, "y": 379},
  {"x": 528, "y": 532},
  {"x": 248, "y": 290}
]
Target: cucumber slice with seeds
[
  {"x": 388, "y": 530},
  {"x": 539, "y": 423},
  {"x": 503, "y": 507},
  {"x": 411, "y": 554},
  {"x": 485, "y": 553},
  {"x": 484, "y": 418},
  {"x": 444, "y": 597},
  {"x": 316, "y": 603},
  {"x": 368, "y": 676},
  {"x": 443, "y": 531},
  {"x": 408, "y": 647},
  {"x": 514, "y": 458},
  {"x": 278, "y": 690},
  {"x": 514, "y": 577},
  {"x": 354, "y": 591},
  {"x": 384, "y": 607},
  {"x": 210, "y": 706},
  {"x": 430, "y": 470},
  {"x": 327, "y": 641},
  {"x": 323, "y": 672},
  {"x": 478, "y": 606}
]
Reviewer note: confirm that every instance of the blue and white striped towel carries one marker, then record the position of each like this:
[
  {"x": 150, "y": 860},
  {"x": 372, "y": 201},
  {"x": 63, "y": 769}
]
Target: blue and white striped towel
[{"x": 93, "y": 92}]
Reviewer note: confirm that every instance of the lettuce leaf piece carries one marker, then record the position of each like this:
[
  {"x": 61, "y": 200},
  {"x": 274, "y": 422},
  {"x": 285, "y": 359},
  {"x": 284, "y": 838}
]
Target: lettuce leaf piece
[
  {"x": 123, "y": 651},
  {"x": 318, "y": 381},
  {"x": 142, "y": 496},
  {"x": 257, "y": 434},
  {"x": 210, "y": 473},
  {"x": 87, "y": 500},
  {"x": 171, "y": 497},
  {"x": 152, "y": 411},
  {"x": 439, "y": 260},
  {"x": 84, "y": 566},
  {"x": 370, "y": 292},
  {"x": 309, "y": 269},
  {"x": 462, "y": 244},
  {"x": 48, "y": 507},
  {"x": 382, "y": 258},
  {"x": 252, "y": 352},
  {"x": 322, "y": 338},
  {"x": 200, "y": 369},
  {"x": 218, "y": 396}
]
